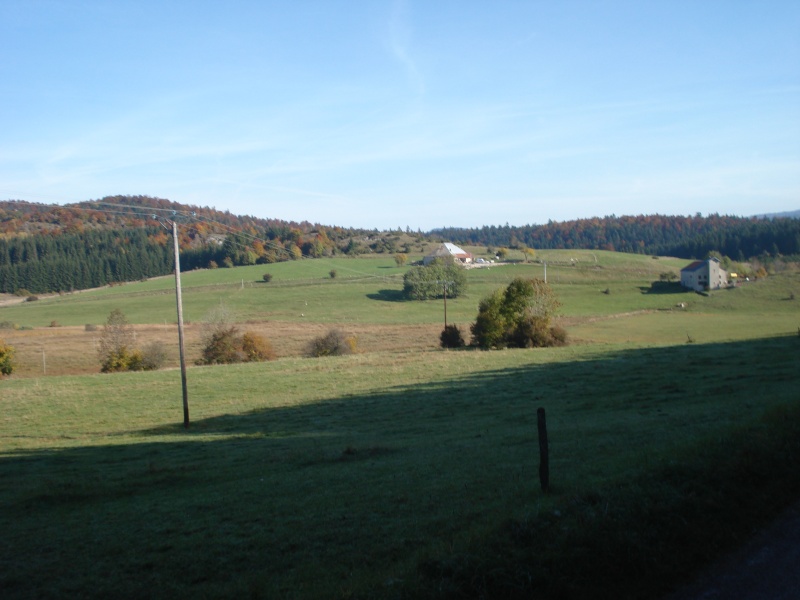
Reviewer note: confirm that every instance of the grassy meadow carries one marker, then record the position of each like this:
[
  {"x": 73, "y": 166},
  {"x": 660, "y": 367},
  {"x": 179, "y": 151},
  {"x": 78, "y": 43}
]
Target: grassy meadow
[{"x": 403, "y": 471}]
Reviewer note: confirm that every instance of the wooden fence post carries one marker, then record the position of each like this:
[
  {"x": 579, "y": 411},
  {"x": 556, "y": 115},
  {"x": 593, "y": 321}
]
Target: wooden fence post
[{"x": 544, "y": 458}]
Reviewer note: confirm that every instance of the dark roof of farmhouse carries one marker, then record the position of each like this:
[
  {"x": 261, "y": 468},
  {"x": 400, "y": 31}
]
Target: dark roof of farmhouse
[
  {"x": 699, "y": 264},
  {"x": 694, "y": 266}
]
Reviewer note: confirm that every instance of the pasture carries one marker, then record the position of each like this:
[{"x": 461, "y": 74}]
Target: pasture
[
  {"x": 404, "y": 470},
  {"x": 303, "y": 301}
]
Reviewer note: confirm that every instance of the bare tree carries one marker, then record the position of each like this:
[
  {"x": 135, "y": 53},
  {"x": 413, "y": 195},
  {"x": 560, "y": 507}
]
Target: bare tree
[{"x": 116, "y": 342}]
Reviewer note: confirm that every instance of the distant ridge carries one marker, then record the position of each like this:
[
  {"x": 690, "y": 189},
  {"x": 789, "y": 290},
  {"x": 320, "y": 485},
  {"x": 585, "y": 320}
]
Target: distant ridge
[
  {"x": 791, "y": 214},
  {"x": 689, "y": 237},
  {"x": 45, "y": 248}
]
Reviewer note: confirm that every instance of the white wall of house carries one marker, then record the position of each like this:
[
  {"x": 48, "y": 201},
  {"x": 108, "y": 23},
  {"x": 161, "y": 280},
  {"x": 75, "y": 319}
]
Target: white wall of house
[
  {"x": 707, "y": 276},
  {"x": 717, "y": 277}
]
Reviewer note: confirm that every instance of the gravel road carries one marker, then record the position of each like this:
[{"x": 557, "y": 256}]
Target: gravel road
[{"x": 766, "y": 568}]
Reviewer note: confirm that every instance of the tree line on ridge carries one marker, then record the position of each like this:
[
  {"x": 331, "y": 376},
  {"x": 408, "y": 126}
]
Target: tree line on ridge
[{"x": 122, "y": 238}]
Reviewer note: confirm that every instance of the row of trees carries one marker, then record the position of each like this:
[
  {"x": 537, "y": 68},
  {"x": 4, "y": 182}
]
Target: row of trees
[
  {"x": 681, "y": 236},
  {"x": 42, "y": 263}
]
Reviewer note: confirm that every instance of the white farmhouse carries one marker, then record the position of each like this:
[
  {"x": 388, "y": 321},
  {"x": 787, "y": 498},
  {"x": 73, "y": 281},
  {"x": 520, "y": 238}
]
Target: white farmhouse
[{"x": 448, "y": 251}]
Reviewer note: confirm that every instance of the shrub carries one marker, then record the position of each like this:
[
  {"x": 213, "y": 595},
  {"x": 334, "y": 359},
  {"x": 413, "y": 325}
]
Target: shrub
[
  {"x": 518, "y": 316},
  {"x": 558, "y": 336},
  {"x": 333, "y": 343},
  {"x": 333, "y": 273},
  {"x": 154, "y": 355},
  {"x": 22, "y": 293},
  {"x": 451, "y": 337},
  {"x": 267, "y": 277},
  {"x": 226, "y": 346},
  {"x": 135, "y": 360},
  {"x": 223, "y": 346},
  {"x": 55, "y": 324},
  {"x": 212, "y": 264},
  {"x": 90, "y": 327},
  {"x": 31, "y": 298},
  {"x": 529, "y": 332},
  {"x": 6, "y": 359},
  {"x": 256, "y": 348},
  {"x": 218, "y": 337},
  {"x": 490, "y": 328},
  {"x": 400, "y": 259},
  {"x": 121, "y": 359}
]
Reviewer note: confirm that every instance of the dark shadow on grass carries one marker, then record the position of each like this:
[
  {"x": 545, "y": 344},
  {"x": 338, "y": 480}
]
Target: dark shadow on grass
[
  {"x": 135, "y": 514},
  {"x": 610, "y": 377},
  {"x": 664, "y": 287},
  {"x": 388, "y": 296}
]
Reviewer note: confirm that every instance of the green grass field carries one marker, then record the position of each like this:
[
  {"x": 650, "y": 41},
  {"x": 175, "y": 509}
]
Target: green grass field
[
  {"x": 404, "y": 471},
  {"x": 367, "y": 291}
]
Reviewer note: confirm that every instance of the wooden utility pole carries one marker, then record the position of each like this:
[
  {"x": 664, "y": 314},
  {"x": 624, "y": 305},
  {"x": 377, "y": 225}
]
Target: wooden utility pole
[
  {"x": 445, "y": 305},
  {"x": 444, "y": 289},
  {"x": 181, "y": 344}
]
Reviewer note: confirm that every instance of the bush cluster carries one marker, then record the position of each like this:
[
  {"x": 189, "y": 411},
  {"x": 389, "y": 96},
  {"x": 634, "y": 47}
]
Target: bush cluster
[
  {"x": 226, "y": 345},
  {"x": 122, "y": 359},
  {"x": 151, "y": 358},
  {"x": 333, "y": 343},
  {"x": 117, "y": 351},
  {"x": 518, "y": 317}
]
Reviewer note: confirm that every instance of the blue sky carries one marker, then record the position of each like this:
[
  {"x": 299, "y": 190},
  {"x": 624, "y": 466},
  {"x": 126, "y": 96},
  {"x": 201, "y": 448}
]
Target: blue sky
[{"x": 386, "y": 114}]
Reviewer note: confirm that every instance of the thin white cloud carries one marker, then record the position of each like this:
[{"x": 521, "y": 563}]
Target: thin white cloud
[{"x": 400, "y": 35}]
